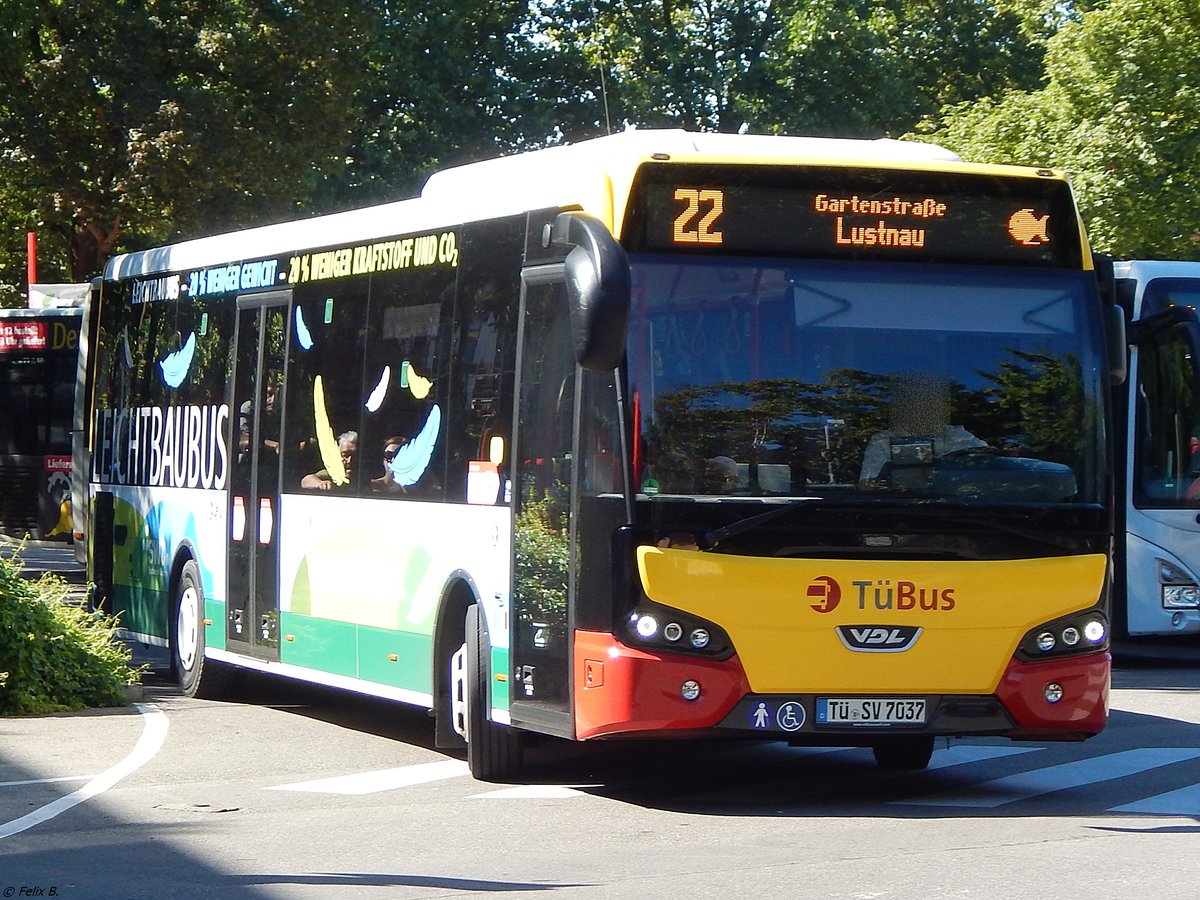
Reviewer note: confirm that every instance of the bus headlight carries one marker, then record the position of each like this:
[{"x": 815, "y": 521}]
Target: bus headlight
[
  {"x": 1084, "y": 632},
  {"x": 653, "y": 626},
  {"x": 1179, "y": 589}
]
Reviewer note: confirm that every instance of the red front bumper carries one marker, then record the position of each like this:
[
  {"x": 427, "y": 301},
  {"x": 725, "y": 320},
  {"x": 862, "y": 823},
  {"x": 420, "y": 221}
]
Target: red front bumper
[{"x": 622, "y": 690}]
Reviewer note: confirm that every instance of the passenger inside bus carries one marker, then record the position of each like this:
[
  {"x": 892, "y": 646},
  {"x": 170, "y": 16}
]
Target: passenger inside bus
[
  {"x": 918, "y": 432},
  {"x": 323, "y": 480},
  {"x": 386, "y": 483}
]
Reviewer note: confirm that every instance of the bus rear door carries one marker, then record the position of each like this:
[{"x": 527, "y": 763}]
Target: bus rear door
[{"x": 252, "y": 618}]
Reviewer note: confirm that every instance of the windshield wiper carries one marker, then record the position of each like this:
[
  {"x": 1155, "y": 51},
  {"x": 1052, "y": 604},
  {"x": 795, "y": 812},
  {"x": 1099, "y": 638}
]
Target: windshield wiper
[{"x": 711, "y": 539}]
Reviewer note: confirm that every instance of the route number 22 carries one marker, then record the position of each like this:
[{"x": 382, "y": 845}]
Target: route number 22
[{"x": 695, "y": 224}]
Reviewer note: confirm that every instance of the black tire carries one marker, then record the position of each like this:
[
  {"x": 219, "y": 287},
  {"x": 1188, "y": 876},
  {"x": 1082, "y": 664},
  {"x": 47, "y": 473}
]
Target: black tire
[
  {"x": 907, "y": 752},
  {"x": 493, "y": 751},
  {"x": 195, "y": 676}
]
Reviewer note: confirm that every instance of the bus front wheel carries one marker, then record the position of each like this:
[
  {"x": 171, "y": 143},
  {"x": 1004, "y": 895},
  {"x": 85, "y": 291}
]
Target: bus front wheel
[
  {"x": 493, "y": 751},
  {"x": 195, "y": 676},
  {"x": 906, "y": 752}
]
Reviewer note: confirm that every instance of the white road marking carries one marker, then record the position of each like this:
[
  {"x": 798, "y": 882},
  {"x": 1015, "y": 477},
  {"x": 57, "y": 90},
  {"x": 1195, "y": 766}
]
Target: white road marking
[
  {"x": 1183, "y": 802},
  {"x": 531, "y": 792},
  {"x": 154, "y": 732},
  {"x": 958, "y": 756},
  {"x": 999, "y": 791},
  {"x": 4, "y": 784},
  {"x": 380, "y": 780}
]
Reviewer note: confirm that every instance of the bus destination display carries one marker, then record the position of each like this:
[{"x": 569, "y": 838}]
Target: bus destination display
[{"x": 853, "y": 213}]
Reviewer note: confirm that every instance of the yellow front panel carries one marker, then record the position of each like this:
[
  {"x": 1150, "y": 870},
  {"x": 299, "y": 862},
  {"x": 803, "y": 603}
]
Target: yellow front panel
[{"x": 972, "y": 614}]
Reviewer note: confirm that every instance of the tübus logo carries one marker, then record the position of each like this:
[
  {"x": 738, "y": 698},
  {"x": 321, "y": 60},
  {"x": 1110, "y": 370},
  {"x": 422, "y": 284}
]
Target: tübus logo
[
  {"x": 882, "y": 594},
  {"x": 828, "y": 590}
]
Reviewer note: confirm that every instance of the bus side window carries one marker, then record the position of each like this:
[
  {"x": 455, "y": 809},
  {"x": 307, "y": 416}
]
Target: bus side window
[
  {"x": 326, "y": 343},
  {"x": 1167, "y": 454},
  {"x": 405, "y": 420}
]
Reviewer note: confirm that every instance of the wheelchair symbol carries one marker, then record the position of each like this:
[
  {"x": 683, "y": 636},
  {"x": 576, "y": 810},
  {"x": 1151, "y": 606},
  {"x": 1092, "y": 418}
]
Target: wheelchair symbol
[{"x": 790, "y": 716}]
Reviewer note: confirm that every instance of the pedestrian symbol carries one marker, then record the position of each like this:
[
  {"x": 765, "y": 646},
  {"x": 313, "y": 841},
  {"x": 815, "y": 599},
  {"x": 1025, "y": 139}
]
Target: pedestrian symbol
[{"x": 762, "y": 716}]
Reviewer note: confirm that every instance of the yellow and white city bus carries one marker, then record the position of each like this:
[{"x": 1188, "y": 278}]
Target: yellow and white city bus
[{"x": 657, "y": 435}]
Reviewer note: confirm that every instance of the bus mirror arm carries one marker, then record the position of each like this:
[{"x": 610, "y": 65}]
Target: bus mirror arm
[
  {"x": 1182, "y": 317},
  {"x": 597, "y": 278},
  {"x": 1144, "y": 329}
]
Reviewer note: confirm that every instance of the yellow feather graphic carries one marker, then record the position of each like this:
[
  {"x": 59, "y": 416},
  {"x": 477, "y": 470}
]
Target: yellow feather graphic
[
  {"x": 331, "y": 454},
  {"x": 418, "y": 385}
]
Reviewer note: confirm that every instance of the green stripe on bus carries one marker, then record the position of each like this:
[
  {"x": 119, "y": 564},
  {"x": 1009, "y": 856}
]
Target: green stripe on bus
[
  {"x": 321, "y": 644},
  {"x": 412, "y": 668}
]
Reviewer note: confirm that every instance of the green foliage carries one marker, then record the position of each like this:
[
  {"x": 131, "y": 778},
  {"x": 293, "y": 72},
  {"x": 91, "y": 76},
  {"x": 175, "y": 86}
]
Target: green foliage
[
  {"x": 543, "y": 559},
  {"x": 130, "y": 123},
  {"x": 1119, "y": 112},
  {"x": 56, "y": 656},
  {"x": 147, "y": 120}
]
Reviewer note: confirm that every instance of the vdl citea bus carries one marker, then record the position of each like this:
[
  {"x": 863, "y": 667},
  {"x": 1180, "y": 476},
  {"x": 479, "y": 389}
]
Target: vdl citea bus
[
  {"x": 1158, "y": 437},
  {"x": 657, "y": 435}
]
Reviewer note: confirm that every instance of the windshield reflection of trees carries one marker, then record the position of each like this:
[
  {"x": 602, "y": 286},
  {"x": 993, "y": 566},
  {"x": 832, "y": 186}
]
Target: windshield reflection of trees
[{"x": 788, "y": 436}]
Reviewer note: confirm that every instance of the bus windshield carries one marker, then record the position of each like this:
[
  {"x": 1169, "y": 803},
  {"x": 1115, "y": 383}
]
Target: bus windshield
[{"x": 761, "y": 378}]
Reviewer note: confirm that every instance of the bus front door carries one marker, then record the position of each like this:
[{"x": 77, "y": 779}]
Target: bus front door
[
  {"x": 543, "y": 492},
  {"x": 252, "y": 612}
]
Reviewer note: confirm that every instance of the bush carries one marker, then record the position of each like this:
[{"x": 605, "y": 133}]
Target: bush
[{"x": 56, "y": 656}]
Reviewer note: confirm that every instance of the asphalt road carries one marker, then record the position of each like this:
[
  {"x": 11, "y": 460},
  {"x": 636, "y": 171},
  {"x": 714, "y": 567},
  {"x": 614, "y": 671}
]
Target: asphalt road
[{"x": 288, "y": 791}]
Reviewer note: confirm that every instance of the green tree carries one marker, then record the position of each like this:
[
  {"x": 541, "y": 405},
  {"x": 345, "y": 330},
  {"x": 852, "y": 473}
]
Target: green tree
[
  {"x": 865, "y": 67},
  {"x": 836, "y": 67},
  {"x": 442, "y": 86},
  {"x": 140, "y": 120},
  {"x": 1119, "y": 111}
]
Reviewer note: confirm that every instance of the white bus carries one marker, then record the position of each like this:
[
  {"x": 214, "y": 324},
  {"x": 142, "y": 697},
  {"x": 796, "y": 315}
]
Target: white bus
[{"x": 1158, "y": 452}]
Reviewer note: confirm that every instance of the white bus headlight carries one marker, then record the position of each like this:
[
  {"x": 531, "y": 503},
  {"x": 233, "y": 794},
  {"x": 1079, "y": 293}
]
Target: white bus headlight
[
  {"x": 1180, "y": 596},
  {"x": 1179, "y": 589}
]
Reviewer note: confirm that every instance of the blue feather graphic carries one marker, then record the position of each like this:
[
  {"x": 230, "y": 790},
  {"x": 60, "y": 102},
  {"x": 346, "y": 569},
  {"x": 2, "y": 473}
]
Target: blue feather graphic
[{"x": 411, "y": 460}]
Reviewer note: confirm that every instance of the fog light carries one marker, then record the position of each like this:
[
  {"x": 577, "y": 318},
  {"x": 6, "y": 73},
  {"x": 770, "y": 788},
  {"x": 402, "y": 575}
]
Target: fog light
[
  {"x": 1070, "y": 636},
  {"x": 672, "y": 631},
  {"x": 647, "y": 626},
  {"x": 690, "y": 690},
  {"x": 1046, "y": 642},
  {"x": 1094, "y": 631},
  {"x": 1052, "y": 692},
  {"x": 699, "y": 638}
]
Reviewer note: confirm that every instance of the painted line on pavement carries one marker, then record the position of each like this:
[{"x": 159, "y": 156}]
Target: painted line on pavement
[
  {"x": 1036, "y": 783},
  {"x": 4, "y": 784},
  {"x": 380, "y": 780},
  {"x": 154, "y": 732}
]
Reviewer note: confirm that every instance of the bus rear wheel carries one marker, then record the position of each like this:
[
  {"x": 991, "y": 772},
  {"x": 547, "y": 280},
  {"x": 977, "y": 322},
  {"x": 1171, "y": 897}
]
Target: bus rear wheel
[
  {"x": 493, "y": 751},
  {"x": 907, "y": 752}
]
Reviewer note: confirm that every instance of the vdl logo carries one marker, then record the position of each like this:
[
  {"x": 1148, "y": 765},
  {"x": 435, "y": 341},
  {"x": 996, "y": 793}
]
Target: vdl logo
[
  {"x": 878, "y": 638},
  {"x": 828, "y": 590}
]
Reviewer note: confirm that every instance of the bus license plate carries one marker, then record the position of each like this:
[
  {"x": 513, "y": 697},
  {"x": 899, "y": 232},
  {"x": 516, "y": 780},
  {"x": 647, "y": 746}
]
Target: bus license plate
[{"x": 856, "y": 711}]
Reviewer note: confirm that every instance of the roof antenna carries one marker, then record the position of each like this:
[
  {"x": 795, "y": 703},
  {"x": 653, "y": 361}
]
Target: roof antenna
[{"x": 603, "y": 80}]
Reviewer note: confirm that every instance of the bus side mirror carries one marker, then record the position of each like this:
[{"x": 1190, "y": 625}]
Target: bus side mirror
[
  {"x": 597, "y": 274},
  {"x": 1106, "y": 282},
  {"x": 1118, "y": 345},
  {"x": 1114, "y": 322}
]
